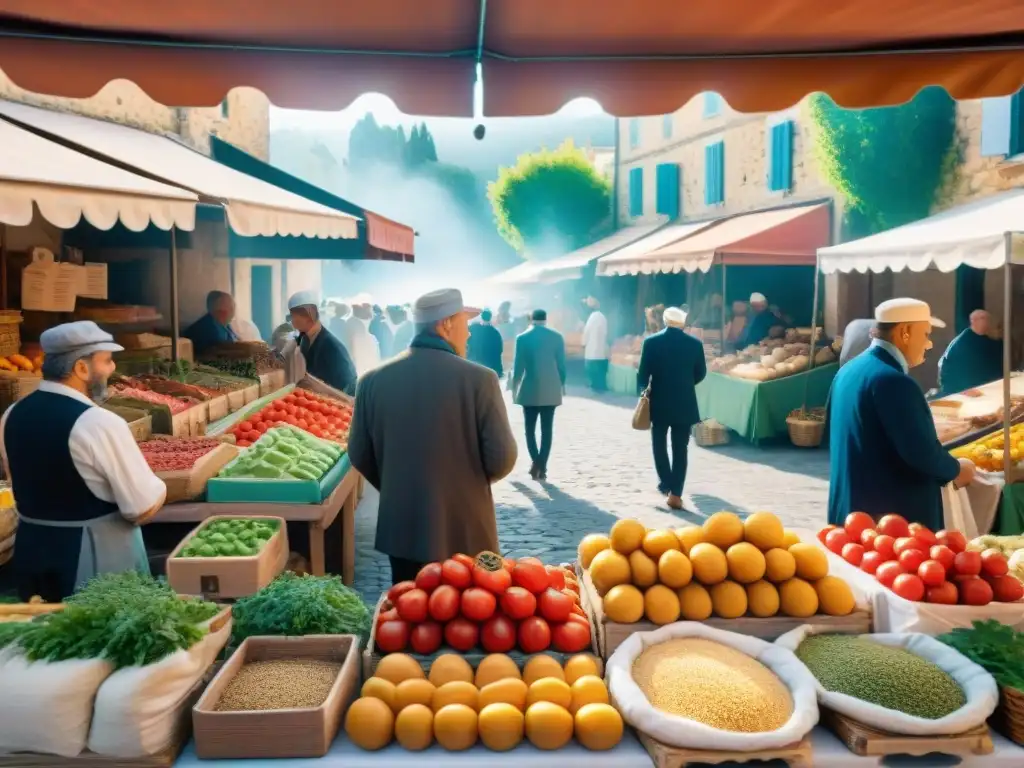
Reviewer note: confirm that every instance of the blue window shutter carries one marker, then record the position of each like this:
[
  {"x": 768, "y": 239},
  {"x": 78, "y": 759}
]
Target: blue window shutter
[
  {"x": 995, "y": 125},
  {"x": 667, "y": 177},
  {"x": 712, "y": 104},
  {"x": 780, "y": 169},
  {"x": 709, "y": 174},
  {"x": 787, "y": 155},
  {"x": 1017, "y": 123},
  {"x": 721, "y": 172},
  {"x": 636, "y": 192}
]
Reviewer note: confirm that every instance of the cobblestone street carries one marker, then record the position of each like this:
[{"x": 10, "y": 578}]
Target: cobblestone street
[{"x": 601, "y": 469}]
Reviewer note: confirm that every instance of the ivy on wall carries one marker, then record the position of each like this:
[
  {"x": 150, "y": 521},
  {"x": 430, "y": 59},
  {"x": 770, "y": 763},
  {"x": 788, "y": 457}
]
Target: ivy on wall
[{"x": 888, "y": 163}]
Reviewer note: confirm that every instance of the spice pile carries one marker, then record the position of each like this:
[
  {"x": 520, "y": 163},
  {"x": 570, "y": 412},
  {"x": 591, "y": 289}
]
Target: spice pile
[
  {"x": 284, "y": 684},
  {"x": 882, "y": 675},
  {"x": 175, "y": 454},
  {"x": 176, "y": 405}
]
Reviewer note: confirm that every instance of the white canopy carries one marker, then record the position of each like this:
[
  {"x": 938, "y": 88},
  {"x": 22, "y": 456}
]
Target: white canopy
[
  {"x": 253, "y": 206},
  {"x": 67, "y": 186},
  {"x": 974, "y": 234},
  {"x": 634, "y": 258}
]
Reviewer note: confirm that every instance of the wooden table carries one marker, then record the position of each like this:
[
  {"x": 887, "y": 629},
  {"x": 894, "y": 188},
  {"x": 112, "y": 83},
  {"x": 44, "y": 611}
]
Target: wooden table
[{"x": 319, "y": 516}]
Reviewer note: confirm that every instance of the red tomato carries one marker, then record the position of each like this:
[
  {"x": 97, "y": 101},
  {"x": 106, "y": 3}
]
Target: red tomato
[
  {"x": 466, "y": 560},
  {"x": 942, "y": 554},
  {"x": 455, "y": 573},
  {"x": 412, "y": 606},
  {"x": 392, "y": 636},
  {"x": 302, "y": 423},
  {"x": 254, "y": 436},
  {"x": 498, "y": 635},
  {"x": 242, "y": 443},
  {"x": 836, "y": 540},
  {"x": 530, "y": 575},
  {"x": 461, "y": 634},
  {"x": 909, "y": 587},
  {"x": 1006, "y": 589},
  {"x": 884, "y": 546},
  {"x": 245, "y": 426},
  {"x": 931, "y": 573},
  {"x": 518, "y": 603},
  {"x": 967, "y": 563},
  {"x": 391, "y": 614},
  {"x": 443, "y": 604},
  {"x": 509, "y": 563},
  {"x": 531, "y": 559},
  {"x": 556, "y": 577},
  {"x": 534, "y": 635},
  {"x": 952, "y": 539},
  {"x": 871, "y": 562},
  {"x": 426, "y": 637},
  {"x": 887, "y": 573},
  {"x": 974, "y": 590},
  {"x": 909, "y": 542},
  {"x": 400, "y": 589},
  {"x": 922, "y": 532},
  {"x": 853, "y": 553},
  {"x": 577, "y": 610},
  {"x": 570, "y": 637},
  {"x": 478, "y": 604},
  {"x": 579, "y": 618},
  {"x": 944, "y": 594},
  {"x": 857, "y": 523},
  {"x": 867, "y": 539},
  {"x": 554, "y": 605},
  {"x": 993, "y": 563},
  {"x": 495, "y": 582},
  {"x": 826, "y": 531},
  {"x": 910, "y": 560},
  {"x": 893, "y": 525},
  {"x": 429, "y": 577}
]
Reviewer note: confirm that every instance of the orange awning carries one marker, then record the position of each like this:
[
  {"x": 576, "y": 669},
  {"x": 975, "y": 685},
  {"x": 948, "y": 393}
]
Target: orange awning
[{"x": 636, "y": 58}]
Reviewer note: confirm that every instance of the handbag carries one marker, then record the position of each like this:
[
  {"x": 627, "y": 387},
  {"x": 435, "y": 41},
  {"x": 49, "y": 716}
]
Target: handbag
[{"x": 642, "y": 412}]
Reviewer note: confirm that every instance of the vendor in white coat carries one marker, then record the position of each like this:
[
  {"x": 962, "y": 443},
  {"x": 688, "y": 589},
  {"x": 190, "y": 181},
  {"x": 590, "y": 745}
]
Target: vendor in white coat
[
  {"x": 82, "y": 485},
  {"x": 595, "y": 347}
]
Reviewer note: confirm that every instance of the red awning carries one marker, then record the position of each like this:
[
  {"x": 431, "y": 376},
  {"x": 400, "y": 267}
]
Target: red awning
[{"x": 636, "y": 58}]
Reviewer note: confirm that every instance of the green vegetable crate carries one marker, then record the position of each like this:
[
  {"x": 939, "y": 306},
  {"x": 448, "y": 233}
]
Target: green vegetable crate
[{"x": 228, "y": 576}]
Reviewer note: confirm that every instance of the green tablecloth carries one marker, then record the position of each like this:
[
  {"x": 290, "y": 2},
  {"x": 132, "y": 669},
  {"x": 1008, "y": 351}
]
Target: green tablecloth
[
  {"x": 622, "y": 379},
  {"x": 758, "y": 410}
]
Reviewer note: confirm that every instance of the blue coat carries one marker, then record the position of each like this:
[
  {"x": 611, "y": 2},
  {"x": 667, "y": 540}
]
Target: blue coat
[
  {"x": 538, "y": 373},
  {"x": 206, "y": 332},
  {"x": 672, "y": 361},
  {"x": 486, "y": 347},
  {"x": 885, "y": 454},
  {"x": 328, "y": 360},
  {"x": 970, "y": 360}
]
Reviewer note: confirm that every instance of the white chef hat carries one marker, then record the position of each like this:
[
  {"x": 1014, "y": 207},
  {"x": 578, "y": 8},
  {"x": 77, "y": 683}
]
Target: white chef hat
[
  {"x": 758, "y": 298},
  {"x": 303, "y": 299}
]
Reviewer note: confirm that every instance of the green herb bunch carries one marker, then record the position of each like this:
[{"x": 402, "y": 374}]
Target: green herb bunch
[
  {"x": 301, "y": 605},
  {"x": 994, "y": 646}
]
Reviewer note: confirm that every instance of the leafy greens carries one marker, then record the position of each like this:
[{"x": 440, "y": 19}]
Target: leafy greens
[{"x": 994, "y": 646}]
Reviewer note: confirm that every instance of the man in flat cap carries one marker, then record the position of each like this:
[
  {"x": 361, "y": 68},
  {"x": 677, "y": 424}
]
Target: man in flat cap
[
  {"x": 82, "y": 484},
  {"x": 326, "y": 357},
  {"x": 431, "y": 433}
]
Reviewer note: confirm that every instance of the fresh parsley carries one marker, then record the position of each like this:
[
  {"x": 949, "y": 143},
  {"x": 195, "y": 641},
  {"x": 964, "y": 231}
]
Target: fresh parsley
[{"x": 994, "y": 646}]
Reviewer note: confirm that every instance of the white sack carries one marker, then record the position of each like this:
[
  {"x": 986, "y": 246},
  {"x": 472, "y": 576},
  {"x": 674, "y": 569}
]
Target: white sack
[
  {"x": 978, "y": 685},
  {"x": 47, "y": 706},
  {"x": 682, "y": 732},
  {"x": 138, "y": 709}
]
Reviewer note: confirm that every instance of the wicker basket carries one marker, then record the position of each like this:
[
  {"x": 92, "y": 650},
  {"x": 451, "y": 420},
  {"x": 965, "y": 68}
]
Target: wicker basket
[
  {"x": 15, "y": 386},
  {"x": 710, "y": 433},
  {"x": 10, "y": 332},
  {"x": 806, "y": 427},
  {"x": 1008, "y": 718}
]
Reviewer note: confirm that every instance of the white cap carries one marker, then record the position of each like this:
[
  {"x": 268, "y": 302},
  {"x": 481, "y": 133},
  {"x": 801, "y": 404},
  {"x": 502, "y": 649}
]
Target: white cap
[
  {"x": 674, "y": 316},
  {"x": 906, "y": 311},
  {"x": 758, "y": 298},
  {"x": 303, "y": 299}
]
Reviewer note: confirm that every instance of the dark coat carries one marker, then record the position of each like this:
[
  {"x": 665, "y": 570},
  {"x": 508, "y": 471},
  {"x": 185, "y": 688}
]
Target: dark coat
[
  {"x": 672, "y": 361},
  {"x": 757, "y": 329},
  {"x": 538, "y": 373},
  {"x": 381, "y": 331},
  {"x": 431, "y": 432},
  {"x": 485, "y": 347},
  {"x": 328, "y": 360},
  {"x": 885, "y": 453},
  {"x": 206, "y": 332},
  {"x": 969, "y": 361}
]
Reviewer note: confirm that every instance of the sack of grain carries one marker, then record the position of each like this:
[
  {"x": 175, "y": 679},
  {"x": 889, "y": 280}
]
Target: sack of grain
[
  {"x": 47, "y": 706},
  {"x": 139, "y": 710},
  {"x": 790, "y": 720},
  {"x": 980, "y": 692}
]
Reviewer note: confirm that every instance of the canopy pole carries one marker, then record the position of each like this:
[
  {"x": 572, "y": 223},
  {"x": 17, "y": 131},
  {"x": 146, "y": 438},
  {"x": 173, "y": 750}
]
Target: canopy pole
[
  {"x": 724, "y": 303},
  {"x": 174, "y": 296},
  {"x": 814, "y": 330},
  {"x": 1007, "y": 361},
  {"x": 3, "y": 266}
]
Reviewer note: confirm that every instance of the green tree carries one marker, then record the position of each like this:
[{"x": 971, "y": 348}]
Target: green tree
[
  {"x": 888, "y": 163},
  {"x": 550, "y": 196}
]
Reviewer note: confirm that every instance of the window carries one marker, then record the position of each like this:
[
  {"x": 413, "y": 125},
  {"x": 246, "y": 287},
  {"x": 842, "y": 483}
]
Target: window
[
  {"x": 780, "y": 156},
  {"x": 634, "y": 133},
  {"x": 712, "y": 104},
  {"x": 666, "y": 126},
  {"x": 224, "y": 111},
  {"x": 667, "y": 178},
  {"x": 714, "y": 173},
  {"x": 1002, "y": 125},
  {"x": 636, "y": 192}
]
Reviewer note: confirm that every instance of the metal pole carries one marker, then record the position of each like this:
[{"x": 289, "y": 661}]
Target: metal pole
[
  {"x": 3, "y": 266},
  {"x": 1007, "y": 361},
  {"x": 174, "y": 296},
  {"x": 724, "y": 302}
]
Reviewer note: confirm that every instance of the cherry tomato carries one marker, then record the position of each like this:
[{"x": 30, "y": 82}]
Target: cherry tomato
[
  {"x": 1006, "y": 589},
  {"x": 556, "y": 577},
  {"x": 554, "y": 606},
  {"x": 932, "y": 573},
  {"x": 392, "y": 636},
  {"x": 429, "y": 577},
  {"x": 867, "y": 539},
  {"x": 909, "y": 542},
  {"x": 461, "y": 634},
  {"x": 426, "y": 637},
  {"x": 570, "y": 637},
  {"x": 824, "y": 532},
  {"x": 922, "y": 532},
  {"x": 478, "y": 604},
  {"x": 242, "y": 443},
  {"x": 466, "y": 560},
  {"x": 498, "y": 635},
  {"x": 893, "y": 525},
  {"x": 496, "y": 582},
  {"x": 534, "y": 635},
  {"x": 518, "y": 603},
  {"x": 884, "y": 546},
  {"x": 853, "y": 553},
  {"x": 412, "y": 606},
  {"x": 456, "y": 574},
  {"x": 530, "y": 575},
  {"x": 967, "y": 563},
  {"x": 909, "y": 587},
  {"x": 400, "y": 589},
  {"x": 942, "y": 554},
  {"x": 944, "y": 594},
  {"x": 910, "y": 560},
  {"x": 245, "y": 426},
  {"x": 993, "y": 563},
  {"x": 952, "y": 539},
  {"x": 858, "y": 522}
]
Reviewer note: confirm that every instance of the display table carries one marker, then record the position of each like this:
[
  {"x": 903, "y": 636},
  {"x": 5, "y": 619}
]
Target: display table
[
  {"x": 343, "y": 499},
  {"x": 621, "y": 379},
  {"x": 757, "y": 410}
]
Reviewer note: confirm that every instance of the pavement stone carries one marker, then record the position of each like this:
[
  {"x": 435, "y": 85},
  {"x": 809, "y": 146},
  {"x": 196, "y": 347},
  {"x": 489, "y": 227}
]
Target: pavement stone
[{"x": 602, "y": 470}]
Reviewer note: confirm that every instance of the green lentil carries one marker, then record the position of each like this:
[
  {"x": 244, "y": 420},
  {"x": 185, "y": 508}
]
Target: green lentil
[{"x": 880, "y": 674}]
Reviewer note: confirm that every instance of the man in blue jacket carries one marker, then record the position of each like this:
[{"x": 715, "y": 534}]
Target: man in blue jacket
[{"x": 885, "y": 454}]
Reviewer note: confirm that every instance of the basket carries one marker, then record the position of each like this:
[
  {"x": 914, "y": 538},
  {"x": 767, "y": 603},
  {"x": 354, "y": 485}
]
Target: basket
[
  {"x": 1008, "y": 718},
  {"x": 10, "y": 332},
  {"x": 806, "y": 427},
  {"x": 710, "y": 433}
]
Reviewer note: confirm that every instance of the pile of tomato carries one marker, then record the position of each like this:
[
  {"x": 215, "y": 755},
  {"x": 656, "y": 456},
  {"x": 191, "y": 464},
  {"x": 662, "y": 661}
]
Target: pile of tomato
[
  {"x": 319, "y": 415},
  {"x": 920, "y": 565},
  {"x": 493, "y": 603}
]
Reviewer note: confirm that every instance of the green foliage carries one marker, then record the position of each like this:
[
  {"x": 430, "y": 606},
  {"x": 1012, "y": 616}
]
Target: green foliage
[
  {"x": 370, "y": 143},
  {"x": 550, "y": 195},
  {"x": 889, "y": 163},
  {"x": 994, "y": 646}
]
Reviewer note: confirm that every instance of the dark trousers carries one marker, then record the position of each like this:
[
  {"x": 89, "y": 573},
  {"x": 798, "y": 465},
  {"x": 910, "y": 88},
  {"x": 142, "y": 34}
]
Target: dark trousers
[
  {"x": 546, "y": 414},
  {"x": 597, "y": 375},
  {"x": 403, "y": 570},
  {"x": 671, "y": 475}
]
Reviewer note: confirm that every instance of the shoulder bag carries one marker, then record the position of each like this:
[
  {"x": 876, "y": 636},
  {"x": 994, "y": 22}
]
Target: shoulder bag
[{"x": 642, "y": 412}]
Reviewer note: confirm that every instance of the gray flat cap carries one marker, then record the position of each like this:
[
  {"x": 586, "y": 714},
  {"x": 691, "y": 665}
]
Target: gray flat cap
[
  {"x": 437, "y": 305},
  {"x": 82, "y": 338}
]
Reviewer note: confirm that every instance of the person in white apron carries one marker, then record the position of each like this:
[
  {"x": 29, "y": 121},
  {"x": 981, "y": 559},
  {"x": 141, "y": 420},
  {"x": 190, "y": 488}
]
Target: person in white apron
[{"x": 81, "y": 484}]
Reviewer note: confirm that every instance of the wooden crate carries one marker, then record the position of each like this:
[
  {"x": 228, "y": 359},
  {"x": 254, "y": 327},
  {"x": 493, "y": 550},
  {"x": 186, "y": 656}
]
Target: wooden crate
[
  {"x": 865, "y": 741},
  {"x": 271, "y": 382},
  {"x": 228, "y": 577},
  {"x": 797, "y": 755},
  {"x": 610, "y": 635},
  {"x": 188, "y": 484},
  {"x": 139, "y": 421},
  {"x": 278, "y": 733},
  {"x": 216, "y": 408}
]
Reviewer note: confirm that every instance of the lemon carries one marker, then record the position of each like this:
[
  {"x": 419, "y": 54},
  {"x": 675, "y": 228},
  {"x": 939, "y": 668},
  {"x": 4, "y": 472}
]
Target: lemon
[
  {"x": 688, "y": 536},
  {"x": 746, "y": 563},
  {"x": 643, "y": 571},
  {"x": 506, "y": 691},
  {"x": 494, "y": 667},
  {"x": 583, "y": 664},
  {"x": 548, "y": 726},
  {"x": 694, "y": 602},
  {"x": 449, "y": 668},
  {"x": 370, "y": 723},
  {"x": 501, "y": 726},
  {"x": 789, "y": 539},
  {"x": 723, "y": 529},
  {"x": 657, "y": 543},
  {"x": 598, "y": 726},
  {"x": 379, "y": 688},
  {"x": 589, "y": 689},
  {"x": 811, "y": 562},
  {"x": 798, "y": 598},
  {"x": 762, "y": 599},
  {"x": 661, "y": 605},
  {"x": 590, "y": 545},
  {"x": 764, "y": 530},
  {"x": 624, "y": 604},
  {"x": 729, "y": 600},
  {"x": 413, "y": 692},
  {"x": 540, "y": 666},
  {"x": 396, "y": 667},
  {"x": 455, "y": 727},
  {"x": 414, "y": 727},
  {"x": 834, "y": 596},
  {"x": 609, "y": 569},
  {"x": 549, "y": 689},
  {"x": 780, "y": 565},
  {"x": 709, "y": 563}
]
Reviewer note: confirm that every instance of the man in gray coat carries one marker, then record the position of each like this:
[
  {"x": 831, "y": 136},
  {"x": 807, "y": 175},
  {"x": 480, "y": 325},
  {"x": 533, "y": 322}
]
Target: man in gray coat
[
  {"x": 431, "y": 433},
  {"x": 538, "y": 380}
]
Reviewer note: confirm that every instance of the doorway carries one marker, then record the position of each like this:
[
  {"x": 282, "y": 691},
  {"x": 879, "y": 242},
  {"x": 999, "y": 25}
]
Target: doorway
[{"x": 261, "y": 281}]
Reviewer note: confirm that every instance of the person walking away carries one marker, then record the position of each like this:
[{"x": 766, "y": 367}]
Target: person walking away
[
  {"x": 82, "y": 484},
  {"x": 381, "y": 330},
  {"x": 325, "y": 355},
  {"x": 856, "y": 339},
  {"x": 538, "y": 381},
  {"x": 485, "y": 344},
  {"x": 973, "y": 358},
  {"x": 403, "y": 330},
  {"x": 213, "y": 328},
  {"x": 672, "y": 364},
  {"x": 362, "y": 345},
  {"x": 431, "y": 433},
  {"x": 885, "y": 453},
  {"x": 595, "y": 347}
]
